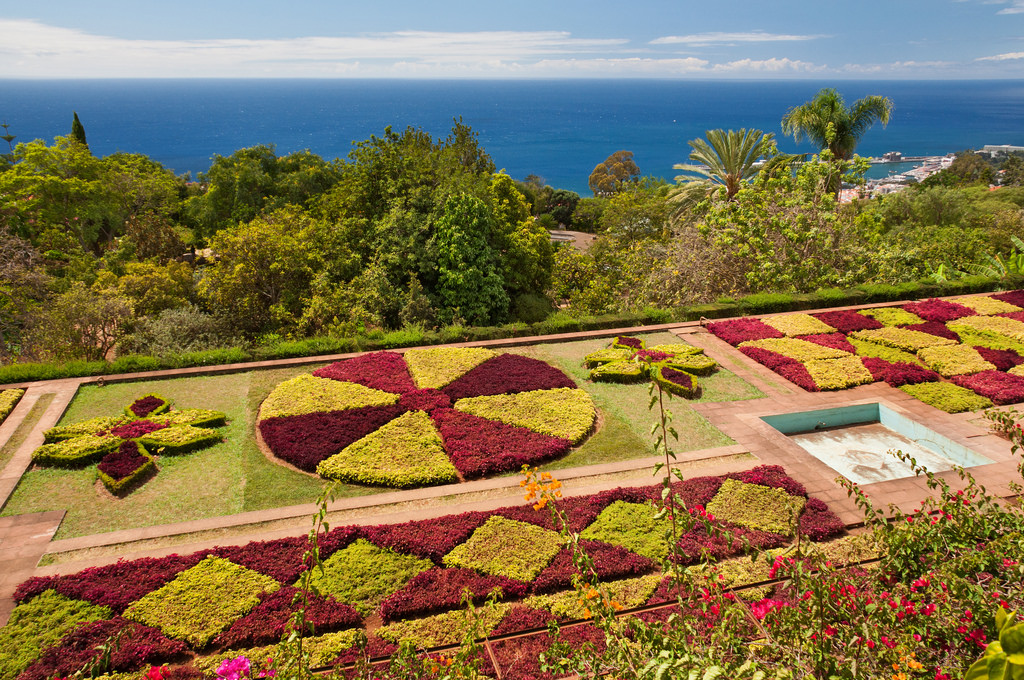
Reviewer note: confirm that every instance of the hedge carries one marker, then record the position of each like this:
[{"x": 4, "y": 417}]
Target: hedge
[
  {"x": 947, "y": 397},
  {"x": 564, "y": 413},
  {"x": 91, "y": 426},
  {"x": 147, "y": 405},
  {"x": 798, "y": 324},
  {"x": 78, "y": 452},
  {"x": 122, "y": 470},
  {"x": 179, "y": 439},
  {"x": 676, "y": 381},
  {"x": 504, "y": 547},
  {"x": 606, "y": 356},
  {"x": 626, "y": 372},
  {"x": 8, "y": 400},
  {"x": 757, "y": 507}
]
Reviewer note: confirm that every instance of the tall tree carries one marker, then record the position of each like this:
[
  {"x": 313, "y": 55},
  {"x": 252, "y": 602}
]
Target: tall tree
[
  {"x": 613, "y": 173},
  {"x": 78, "y": 131},
  {"x": 726, "y": 158},
  {"x": 828, "y": 122}
]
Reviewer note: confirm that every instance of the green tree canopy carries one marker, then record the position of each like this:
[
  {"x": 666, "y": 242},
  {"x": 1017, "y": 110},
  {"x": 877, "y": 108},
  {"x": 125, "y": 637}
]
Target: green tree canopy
[
  {"x": 830, "y": 124},
  {"x": 726, "y": 158},
  {"x": 611, "y": 175}
]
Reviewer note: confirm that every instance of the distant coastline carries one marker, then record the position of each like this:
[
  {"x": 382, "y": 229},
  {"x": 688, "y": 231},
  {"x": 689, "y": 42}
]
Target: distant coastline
[{"x": 555, "y": 129}]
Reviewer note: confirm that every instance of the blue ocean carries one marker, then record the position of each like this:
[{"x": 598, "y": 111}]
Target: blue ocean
[{"x": 558, "y": 130}]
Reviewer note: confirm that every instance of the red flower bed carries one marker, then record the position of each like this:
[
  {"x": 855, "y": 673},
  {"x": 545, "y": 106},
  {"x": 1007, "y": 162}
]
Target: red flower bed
[
  {"x": 833, "y": 340},
  {"x": 933, "y": 328},
  {"x": 479, "y": 446},
  {"x": 626, "y": 341},
  {"x": 519, "y": 658},
  {"x": 281, "y": 559},
  {"x": 1001, "y": 388},
  {"x": 305, "y": 440},
  {"x": 579, "y": 512},
  {"x": 937, "y": 310},
  {"x": 520, "y": 618},
  {"x": 430, "y": 538},
  {"x": 698, "y": 542},
  {"x": 797, "y": 374},
  {"x": 437, "y": 590},
  {"x": 135, "y": 429},
  {"x": 137, "y": 648},
  {"x": 1002, "y": 359},
  {"x": 736, "y": 331},
  {"x": 681, "y": 378},
  {"x": 506, "y": 374},
  {"x": 1013, "y": 297},
  {"x": 772, "y": 360},
  {"x": 379, "y": 370},
  {"x": 266, "y": 623},
  {"x": 770, "y": 475},
  {"x": 698, "y": 490},
  {"x": 610, "y": 561},
  {"x": 818, "y": 523},
  {"x": 1019, "y": 316},
  {"x": 898, "y": 373},
  {"x": 847, "y": 321},
  {"x": 375, "y": 648},
  {"x": 146, "y": 405},
  {"x": 123, "y": 462},
  {"x": 424, "y": 400},
  {"x": 650, "y": 356}
]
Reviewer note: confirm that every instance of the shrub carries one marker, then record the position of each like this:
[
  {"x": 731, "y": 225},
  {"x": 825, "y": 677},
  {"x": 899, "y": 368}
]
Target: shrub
[
  {"x": 1014, "y": 297},
  {"x": 364, "y": 575},
  {"x": 267, "y": 622},
  {"x": 84, "y": 427},
  {"x": 8, "y": 400},
  {"x": 798, "y": 374},
  {"x": 833, "y": 340},
  {"x": 506, "y": 374},
  {"x": 479, "y": 446},
  {"x": 1002, "y": 359},
  {"x": 135, "y": 429},
  {"x": 757, "y": 507},
  {"x": 564, "y": 413},
  {"x": 947, "y": 397},
  {"x": 772, "y": 360},
  {"x": 626, "y": 342},
  {"x": 818, "y": 523},
  {"x": 430, "y": 538},
  {"x": 309, "y": 394},
  {"x": 628, "y": 593},
  {"x": 198, "y": 417},
  {"x": 941, "y": 311},
  {"x": 901, "y": 338},
  {"x": 766, "y": 303},
  {"x": 773, "y": 476},
  {"x": 437, "y": 590},
  {"x": 798, "y": 324},
  {"x": 504, "y": 547},
  {"x": 627, "y": 372},
  {"x": 677, "y": 349},
  {"x": 631, "y": 526},
  {"x": 991, "y": 326},
  {"x": 449, "y": 628},
  {"x": 847, "y": 321},
  {"x": 202, "y": 601},
  {"x": 1001, "y": 388},
  {"x": 125, "y": 468},
  {"x": 403, "y": 453},
  {"x": 425, "y": 400},
  {"x": 78, "y": 452},
  {"x": 934, "y": 328},
  {"x": 700, "y": 544},
  {"x": 606, "y": 356},
  {"x": 954, "y": 360},
  {"x": 611, "y": 562},
  {"x": 179, "y": 439},
  {"x": 897, "y": 374},
  {"x": 892, "y": 316},
  {"x": 307, "y": 439},
  {"x": 737, "y": 331},
  {"x": 282, "y": 558},
  {"x": 797, "y": 349},
  {"x": 676, "y": 381},
  {"x": 434, "y": 368},
  {"x": 384, "y": 371},
  {"x": 838, "y": 374},
  {"x": 890, "y": 354},
  {"x": 698, "y": 364},
  {"x": 147, "y": 405},
  {"x": 983, "y": 304},
  {"x": 38, "y": 624}
]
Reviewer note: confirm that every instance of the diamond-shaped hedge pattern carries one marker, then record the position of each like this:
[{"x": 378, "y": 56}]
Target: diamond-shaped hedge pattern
[
  {"x": 506, "y": 547},
  {"x": 757, "y": 507}
]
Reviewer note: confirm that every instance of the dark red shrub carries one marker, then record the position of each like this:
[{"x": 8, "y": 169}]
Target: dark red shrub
[
  {"x": 736, "y": 331},
  {"x": 833, "y": 340},
  {"x": 122, "y": 462},
  {"x": 626, "y": 341},
  {"x": 1001, "y": 388},
  {"x": 135, "y": 429},
  {"x": 1013, "y": 297},
  {"x": 520, "y": 618},
  {"x": 1019, "y": 316},
  {"x": 281, "y": 559},
  {"x": 519, "y": 658},
  {"x": 848, "y": 321},
  {"x": 579, "y": 512},
  {"x": 438, "y": 590},
  {"x": 379, "y": 370},
  {"x": 507, "y": 374},
  {"x": 1002, "y": 359},
  {"x": 137, "y": 648},
  {"x": 610, "y": 561},
  {"x": 698, "y": 490},
  {"x": 818, "y": 523},
  {"x": 772, "y": 360},
  {"x": 376, "y": 648},
  {"x": 650, "y": 356},
  {"x": 898, "y": 373},
  {"x": 933, "y": 328},
  {"x": 681, "y": 378},
  {"x": 144, "y": 406},
  {"x": 425, "y": 400},
  {"x": 697, "y": 543},
  {"x": 307, "y": 439},
  {"x": 797, "y": 374},
  {"x": 941, "y": 311},
  {"x": 770, "y": 475},
  {"x": 266, "y": 623},
  {"x": 431, "y": 538},
  {"x": 478, "y": 446}
]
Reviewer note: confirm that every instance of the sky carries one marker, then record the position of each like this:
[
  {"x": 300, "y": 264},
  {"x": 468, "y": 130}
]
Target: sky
[{"x": 730, "y": 39}]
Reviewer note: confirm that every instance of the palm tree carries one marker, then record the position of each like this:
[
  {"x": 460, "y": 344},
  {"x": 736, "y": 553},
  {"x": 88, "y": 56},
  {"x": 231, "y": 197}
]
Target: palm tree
[
  {"x": 726, "y": 158},
  {"x": 829, "y": 123}
]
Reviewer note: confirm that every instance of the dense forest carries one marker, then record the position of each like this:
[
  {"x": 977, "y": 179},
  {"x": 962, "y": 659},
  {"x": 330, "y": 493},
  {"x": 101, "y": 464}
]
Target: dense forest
[{"x": 117, "y": 255}]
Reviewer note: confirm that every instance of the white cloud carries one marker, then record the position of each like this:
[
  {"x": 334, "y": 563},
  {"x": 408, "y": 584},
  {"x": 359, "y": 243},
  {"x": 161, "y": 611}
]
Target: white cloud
[
  {"x": 1016, "y": 7},
  {"x": 773, "y": 65},
  {"x": 721, "y": 38},
  {"x": 634, "y": 66},
  {"x": 1007, "y": 56}
]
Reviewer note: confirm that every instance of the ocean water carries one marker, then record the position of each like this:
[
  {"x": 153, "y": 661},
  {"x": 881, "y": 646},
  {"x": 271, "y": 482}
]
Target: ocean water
[{"x": 558, "y": 130}]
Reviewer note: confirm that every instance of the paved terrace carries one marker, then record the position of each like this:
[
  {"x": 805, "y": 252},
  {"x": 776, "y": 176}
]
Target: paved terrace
[{"x": 25, "y": 539}]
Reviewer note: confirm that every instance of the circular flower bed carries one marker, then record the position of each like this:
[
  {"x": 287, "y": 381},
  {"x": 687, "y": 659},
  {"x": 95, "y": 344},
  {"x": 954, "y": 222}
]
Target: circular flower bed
[{"x": 429, "y": 417}]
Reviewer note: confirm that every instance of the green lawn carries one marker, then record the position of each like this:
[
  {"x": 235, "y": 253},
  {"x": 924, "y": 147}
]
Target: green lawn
[{"x": 234, "y": 476}]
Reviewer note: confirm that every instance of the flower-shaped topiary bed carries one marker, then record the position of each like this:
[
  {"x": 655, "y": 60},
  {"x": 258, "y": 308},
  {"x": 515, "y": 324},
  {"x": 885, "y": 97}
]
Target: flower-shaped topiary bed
[
  {"x": 957, "y": 354},
  {"x": 674, "y": 367},
  {"x": 410, "y": 576},
  {"x": 429, "y": 416}
]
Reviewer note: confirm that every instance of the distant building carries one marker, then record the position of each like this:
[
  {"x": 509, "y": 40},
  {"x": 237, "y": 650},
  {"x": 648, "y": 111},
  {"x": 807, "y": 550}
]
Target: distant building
[
  {"x": 892, "y": 157},
  {"x": 1001, "y": 149}
]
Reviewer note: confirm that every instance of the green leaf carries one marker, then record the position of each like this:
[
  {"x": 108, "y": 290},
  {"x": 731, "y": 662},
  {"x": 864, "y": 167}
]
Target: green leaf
[
  {"x": 1012, "y": 640},
  {"x": 978, "y": 670}
]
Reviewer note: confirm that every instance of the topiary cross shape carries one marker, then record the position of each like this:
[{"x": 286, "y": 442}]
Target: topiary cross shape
[
  {"x": 673, "y": 366},
  {"x": 120, "y": 442}
]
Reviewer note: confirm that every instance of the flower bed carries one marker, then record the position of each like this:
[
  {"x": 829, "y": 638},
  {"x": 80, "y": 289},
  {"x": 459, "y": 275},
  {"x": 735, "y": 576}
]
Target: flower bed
[
  {"x": 954, "y": 360},
  {"x": 901, "y": 338},
  {"x": 991, "y": 326},
  {"x": 8, "y": 400},
  {"x": 797, "y": 349},
  {"x": 947, "y": 397},
  {"x": 626, "y": 342},
  {"x": 607, "y": 356},
  {"x": 147, "y": 405},
  {"x": 673, "y": 366},
  {"x": 941, "y": 311},
  {"x": 122, "y": 469},
  {"x": 847, "y": 321},
  {"x": 987, "y": 305},
  {"x": 798, "y": 324},
  {"x": 892, "y": 316},
  {"x": 78, "y": 452},
  {"x": 738, "y": 331},
  {"x": 1001, "y": 388},
  {"x": 898, "y": 373},
  {"x": 627, "y": 371},
  {"x": 838, "y": 374},
  {"x": 934, "y": 328},
  {"x": 676, "y": 381},
  {"x": 456, "y": 409},
  {"x": 697, "y": 364},
  {"x": 833, "y": 340},
  {"x": 1002, "y": 359}
]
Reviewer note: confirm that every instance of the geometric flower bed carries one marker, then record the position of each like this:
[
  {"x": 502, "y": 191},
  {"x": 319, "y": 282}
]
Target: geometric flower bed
[
  {"x": 8, "y": 400},
  {"x": 117, "y": 442},
  {"x": 955, "y": 354},
  {"x": 240, "y": 597},
  {"x": 429, "y": 416},
  {"x": 673, "y": 366}
]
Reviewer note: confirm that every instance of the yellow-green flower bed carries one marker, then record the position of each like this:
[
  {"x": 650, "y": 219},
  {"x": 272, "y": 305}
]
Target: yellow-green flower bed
[
  {"x": 985, "y": 305},
  {"x": 902, "y": 338},
  {"x": 998, "y": 326},
  {"x": 8, "y": 400},
  {"x": 878, "y": 351},
  {"x": 433, "y": 368},
  {"x": 626, "y": 371},
  {"x": 78, "y": 452},
  {"x": 506, "y": 547},
  {"x": 797, "y": 349},
  {"x": 892, "y": 316},
  {"x": 798, "y": 324},
  {"x": 84, "y": 427},
  {"x": 179, "y": 439},
  {"x": 406, "y": 452},
  {"x": 631, "y": 526},
  {"x": 309, "y": 394},
  {"x": 698, "y": 364},
  {"x": 838, "y": 374},
  {"x": 449, "y": 628},
  {"x": 607, "y": 356},
  {"x": 627, "y": 593},
  {"x": 564, "y": 413},
  {"x": 947, "y": 397},
  {"x": 677, "y": 348},
  {"x": 954, "y": 360},
  {"x": 757, "y": 507}
]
